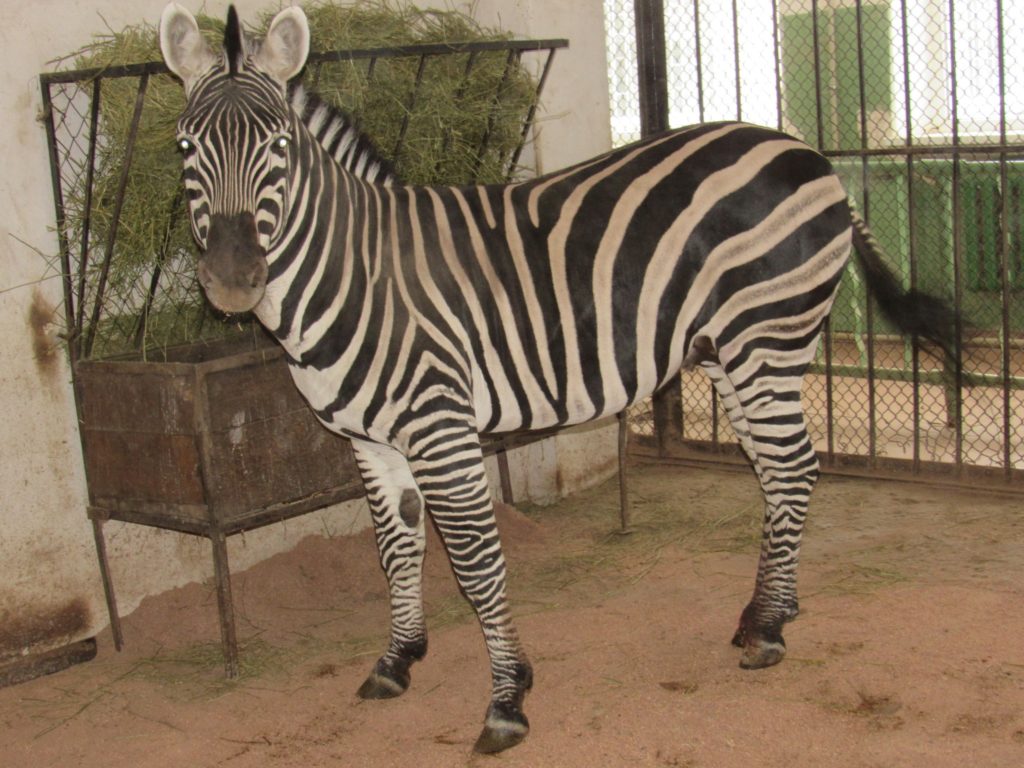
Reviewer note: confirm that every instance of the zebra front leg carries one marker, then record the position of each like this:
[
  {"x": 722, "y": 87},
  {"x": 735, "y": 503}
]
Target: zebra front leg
[
  {"x": 396, "y": 507},
  {"x": 454, "y": 485}
]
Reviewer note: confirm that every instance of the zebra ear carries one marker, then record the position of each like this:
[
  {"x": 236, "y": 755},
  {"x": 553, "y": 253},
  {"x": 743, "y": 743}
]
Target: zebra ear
[
  {"x": 185, "y": 51},
  {"x": 284, "y": 51}
]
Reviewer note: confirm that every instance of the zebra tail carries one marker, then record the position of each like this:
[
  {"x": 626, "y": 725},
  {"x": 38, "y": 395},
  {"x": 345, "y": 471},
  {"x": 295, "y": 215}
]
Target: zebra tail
[{"x": 929, "y": 318}]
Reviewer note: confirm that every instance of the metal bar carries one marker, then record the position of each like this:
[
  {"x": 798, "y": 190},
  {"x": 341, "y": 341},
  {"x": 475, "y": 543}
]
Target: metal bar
[
  {"x": 816, "y": 36},
  {"x": 518, "y": 64},
  {"x": 624, "y": 520},
  {"x": 936, "y": 377},
  {"x": 505, "y": 477},
  {"x": 1003, "y": 244},
  {"x": 437, "y": 49},
  {"x": 978, "y": 479},
  {"x": 830, "y": 405},
  {"x": 530, "y": 115},
  {"x": 116, "y": 216},
  {"x": 90, "y": 172},
  {"x": 736, "y": 60},
  {"x": 652, "y": 74},
  {"x": 912, "y": 224},
  {"x": 108, "y": 582},
  {"x": 510, "y": 61},
  {"x": 777, "y": 54},
  {"x": 225, "y": 603},
  {"x": 410, "y": 106},
  {"x": 957, "y": 394},
  {"x": 652, "y": 78},
  {"x": 697, "y": 59},
  {"x": 866, "y": 203},
  {"x": 940, "y": 151},
  {"x": 315, "y": 57},
  {"x": 715, "y": 419},
  {"x": 58, "y": 205},
  {"x": 127, "y": 70},
  {"x": 446, "y": 140}
]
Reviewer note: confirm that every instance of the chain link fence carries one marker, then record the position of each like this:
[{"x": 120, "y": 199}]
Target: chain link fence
[{"x": 920, "y": 106}]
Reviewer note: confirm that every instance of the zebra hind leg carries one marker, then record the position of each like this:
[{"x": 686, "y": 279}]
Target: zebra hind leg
[
  {"x": 769, "y": 422},
  {"x": 396, "y": 507}
]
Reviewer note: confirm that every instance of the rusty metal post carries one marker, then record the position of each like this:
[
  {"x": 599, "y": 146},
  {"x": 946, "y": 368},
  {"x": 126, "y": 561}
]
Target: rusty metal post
[
  {"x": 108, "y": 584},
  {"x": 624, "y": 518},
  {"x": 225, "y": 604},
  {"x": 653, "y": 81},
  {"x": 505, "y": 476}
]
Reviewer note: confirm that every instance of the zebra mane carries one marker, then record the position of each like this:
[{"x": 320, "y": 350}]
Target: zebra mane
[
  {"x": 339, "y": 134},
  {"x": 234, "y": 47}
]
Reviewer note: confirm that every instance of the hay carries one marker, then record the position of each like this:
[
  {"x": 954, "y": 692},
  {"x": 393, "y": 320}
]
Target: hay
[{"x": 434, "y": 138}]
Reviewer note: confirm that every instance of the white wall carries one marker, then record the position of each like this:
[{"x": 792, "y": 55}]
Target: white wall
[{"x": 47, "y": 559}]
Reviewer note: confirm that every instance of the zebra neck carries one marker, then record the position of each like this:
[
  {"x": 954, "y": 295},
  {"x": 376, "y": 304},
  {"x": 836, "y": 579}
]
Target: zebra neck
[
  {"x": 340, "y": 136},
  {"x": 324, "y": 272}
]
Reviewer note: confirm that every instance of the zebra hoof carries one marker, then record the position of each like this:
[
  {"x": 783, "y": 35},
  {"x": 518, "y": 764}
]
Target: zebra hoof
[
  {"x": 505, "y": 727},
  {"x": 380, "y": 685},
  {"x": 763, "y": 653},
  {"x": 762, "y": 646}
]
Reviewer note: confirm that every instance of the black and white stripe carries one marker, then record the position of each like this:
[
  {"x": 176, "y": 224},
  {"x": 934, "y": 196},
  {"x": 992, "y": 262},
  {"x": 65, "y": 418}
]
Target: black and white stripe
[
  {"x": 340, "y": 135},
  {"x": 416, "y": 319}
]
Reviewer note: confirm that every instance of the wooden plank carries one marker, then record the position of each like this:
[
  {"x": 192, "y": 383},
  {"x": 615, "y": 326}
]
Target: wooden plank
[
  {"x": 251, "y": 391},
  {"x": 36, "y": 665},
  {"x": 155, "y": 401},
  {"x": 137, "y": 467},
  {"x": 274, "y": 460}
]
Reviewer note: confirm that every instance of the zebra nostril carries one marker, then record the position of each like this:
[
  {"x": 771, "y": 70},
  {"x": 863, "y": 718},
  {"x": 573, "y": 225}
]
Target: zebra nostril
[{"x": 258, "y": 275}]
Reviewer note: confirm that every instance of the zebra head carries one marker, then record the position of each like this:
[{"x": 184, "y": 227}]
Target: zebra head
[{"x": 235, "y": 135}]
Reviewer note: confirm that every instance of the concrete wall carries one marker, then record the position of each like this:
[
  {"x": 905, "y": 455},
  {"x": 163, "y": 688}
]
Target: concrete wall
[{"x": 51, "y": 591}]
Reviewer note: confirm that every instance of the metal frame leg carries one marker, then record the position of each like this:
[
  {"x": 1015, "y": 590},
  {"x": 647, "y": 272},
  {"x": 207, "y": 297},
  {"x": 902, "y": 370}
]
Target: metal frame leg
[
  {"x": 222, "y": 575},
  {"x": 108, "y": 583},
  {"x": 624, "y": 520},
  {"x": 505, "y": 476}
]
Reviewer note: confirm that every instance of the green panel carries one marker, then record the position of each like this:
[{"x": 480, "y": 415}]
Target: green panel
[
  {"x": 798, "y": 75},
  {"x": 979, "y": 204},
  {"x": 877, "y": 64},
  {"x": 838, "y": 44}
]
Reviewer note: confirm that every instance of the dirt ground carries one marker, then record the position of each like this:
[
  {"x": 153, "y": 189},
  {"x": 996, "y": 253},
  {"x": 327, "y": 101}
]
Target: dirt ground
[{"x": 909, "y": 650}]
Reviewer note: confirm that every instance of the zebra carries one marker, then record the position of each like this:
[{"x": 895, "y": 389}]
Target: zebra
[{"x": 415, "y": 319}]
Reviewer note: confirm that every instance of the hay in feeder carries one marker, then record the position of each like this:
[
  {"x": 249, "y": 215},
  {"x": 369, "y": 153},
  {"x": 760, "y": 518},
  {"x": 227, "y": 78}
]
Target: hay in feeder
[{"x": 461, "y": 124}]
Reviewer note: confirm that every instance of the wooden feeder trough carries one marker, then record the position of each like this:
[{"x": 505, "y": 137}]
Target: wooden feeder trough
[{"x": 214, "y": 440}]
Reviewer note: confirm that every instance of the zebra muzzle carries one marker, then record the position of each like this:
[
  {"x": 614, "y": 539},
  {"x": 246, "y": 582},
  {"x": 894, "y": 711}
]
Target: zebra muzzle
[{"x": 233, "y": 268}]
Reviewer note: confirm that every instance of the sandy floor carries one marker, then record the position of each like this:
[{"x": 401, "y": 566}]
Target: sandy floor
[{"x": 909, "y": 651}]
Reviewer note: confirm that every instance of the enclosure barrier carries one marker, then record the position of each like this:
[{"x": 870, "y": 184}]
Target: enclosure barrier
[{"x": 920, "y": 107}]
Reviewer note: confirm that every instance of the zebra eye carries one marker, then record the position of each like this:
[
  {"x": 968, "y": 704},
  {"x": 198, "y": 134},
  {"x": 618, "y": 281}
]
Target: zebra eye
[
  {"x": 186, "y": 146},
  {"x": 282, "y": 142}
]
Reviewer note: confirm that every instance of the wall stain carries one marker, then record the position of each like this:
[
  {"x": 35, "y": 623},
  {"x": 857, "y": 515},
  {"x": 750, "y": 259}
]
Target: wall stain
[
  {"x": 29, "y": 631},
  {"x": 45, "y": 344}
]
